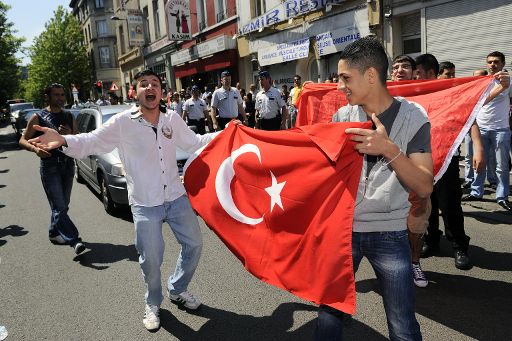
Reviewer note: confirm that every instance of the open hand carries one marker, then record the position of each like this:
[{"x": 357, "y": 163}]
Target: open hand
[{"x": 51, "y": 139}]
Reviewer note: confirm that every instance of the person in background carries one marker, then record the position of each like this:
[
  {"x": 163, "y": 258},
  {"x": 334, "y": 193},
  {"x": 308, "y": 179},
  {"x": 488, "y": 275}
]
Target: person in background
[
  {"x": 228, "y": 102},
  {"x": 176, "y": 104},
  {"x": 195, "y": 111},
  {"x": 270, "y": 107},
  {"x": 57, "y": 169},
  {"x": 292, "y": 101},
  {"x": 250, "y": 110}
]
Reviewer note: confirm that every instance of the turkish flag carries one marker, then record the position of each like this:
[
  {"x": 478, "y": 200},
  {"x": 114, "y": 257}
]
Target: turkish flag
[
  {"x": 451, "y": 106},
  {"x": 283, "y": 203}
]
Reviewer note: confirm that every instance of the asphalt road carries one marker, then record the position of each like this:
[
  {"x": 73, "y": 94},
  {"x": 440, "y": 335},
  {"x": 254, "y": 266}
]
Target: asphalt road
[{"x": 46, "y": 293}]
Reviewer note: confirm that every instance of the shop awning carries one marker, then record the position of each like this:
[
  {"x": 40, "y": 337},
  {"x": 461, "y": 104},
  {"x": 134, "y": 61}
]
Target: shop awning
[{"x": 218, "y": 61}]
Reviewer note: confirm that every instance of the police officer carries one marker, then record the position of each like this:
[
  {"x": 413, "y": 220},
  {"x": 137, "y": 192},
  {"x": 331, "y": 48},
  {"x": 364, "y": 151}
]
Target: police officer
[
  {"x": 270, "y": 107},
  {"x": 195, "y": 111},
  {"x": 228, "y": 102}
]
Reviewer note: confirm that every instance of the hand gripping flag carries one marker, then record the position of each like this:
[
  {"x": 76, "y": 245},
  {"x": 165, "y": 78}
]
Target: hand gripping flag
[
  {"x": 283, "y": 203},
  {"x": 451, "y": 105}
]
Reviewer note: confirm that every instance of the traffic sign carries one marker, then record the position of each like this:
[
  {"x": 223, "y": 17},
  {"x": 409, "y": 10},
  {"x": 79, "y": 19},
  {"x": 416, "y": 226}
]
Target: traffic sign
[{"x": 114, "y": 87}]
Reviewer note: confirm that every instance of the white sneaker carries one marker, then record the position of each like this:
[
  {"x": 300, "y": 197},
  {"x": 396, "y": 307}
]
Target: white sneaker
[
  {"x": 57, "y": 240},
  {"x": 185, "y": 299},
  {"x": 151, "y": 319},
  {"x": 419, "y": 277}
]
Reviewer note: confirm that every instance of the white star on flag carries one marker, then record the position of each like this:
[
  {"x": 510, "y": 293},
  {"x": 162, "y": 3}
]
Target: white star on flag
[{"x": 275, "y": 192}]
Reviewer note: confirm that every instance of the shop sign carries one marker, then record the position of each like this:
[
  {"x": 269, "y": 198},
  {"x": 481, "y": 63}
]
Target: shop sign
[
  {"x": 178, "y": 19},
  {"x": 284, "y": 11},
  {"x": 135, "y": 30},
  {"x": 221, "y": 43},
  {"x": 184, "y": 56},
  {"x": 157, "y": 45},
  {"x": 335, "y": 41},
  {"x": 284, "y": 52}
]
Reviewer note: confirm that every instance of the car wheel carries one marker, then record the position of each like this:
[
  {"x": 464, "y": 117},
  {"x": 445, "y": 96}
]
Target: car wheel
[
  {"x": 79, "y": 178},
  {"x": 108, "y": 204}
]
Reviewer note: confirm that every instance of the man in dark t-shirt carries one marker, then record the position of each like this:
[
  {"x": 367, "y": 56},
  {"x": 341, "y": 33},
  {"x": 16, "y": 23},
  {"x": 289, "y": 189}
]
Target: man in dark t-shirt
[{"x": 57, "y": 170}]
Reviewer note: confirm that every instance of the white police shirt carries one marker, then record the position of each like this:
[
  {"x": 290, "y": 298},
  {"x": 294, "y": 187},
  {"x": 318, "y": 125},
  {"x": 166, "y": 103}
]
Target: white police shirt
[
  {"x": 226, "y": 102},
  {"x": 148, "y": 153},
  {"x": 195, "y": 108},
  {"x": 269, "y": 103}
]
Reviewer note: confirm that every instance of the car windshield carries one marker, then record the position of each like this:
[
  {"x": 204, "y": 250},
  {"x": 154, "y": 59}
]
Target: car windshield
[{"x": 21, "y": 106}]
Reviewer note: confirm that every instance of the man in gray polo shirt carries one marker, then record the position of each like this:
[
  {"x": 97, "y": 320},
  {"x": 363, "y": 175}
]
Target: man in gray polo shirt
[
  {"x": 227, "y": 101},
  {"x": 270, "y": 106}
]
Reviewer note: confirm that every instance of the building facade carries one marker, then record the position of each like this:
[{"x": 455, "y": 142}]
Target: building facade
[
  {"x": 462, "y": 31},
  {"x": 213, "y": 48},
  {"x": 100, "y": 41},
  {"x": 296, "y": 37}
]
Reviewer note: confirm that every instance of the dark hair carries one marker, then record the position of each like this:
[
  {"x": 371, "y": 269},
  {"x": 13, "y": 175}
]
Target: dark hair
[
  {"x": 365, "y": 53},
  {"x": 445, "y": 65},
  {"x": 48, "y": 89},
  {"x": 497, "y": 54},
  {"x": 405, "y": 58},
  {"x": 147, "y": 72},
  {"x": 428, "y": 62},
  {"x": 297, "y": 76}
]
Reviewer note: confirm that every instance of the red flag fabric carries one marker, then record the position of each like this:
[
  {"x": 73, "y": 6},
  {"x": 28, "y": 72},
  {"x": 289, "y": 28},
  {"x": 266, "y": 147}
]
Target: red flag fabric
[
  {"x": 283, "y": 203},
  {"x": 451, "y": 105}
]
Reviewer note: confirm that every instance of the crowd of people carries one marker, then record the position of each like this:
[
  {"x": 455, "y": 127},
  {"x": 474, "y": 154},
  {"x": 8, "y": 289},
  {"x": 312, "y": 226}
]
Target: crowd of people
[{"x": 396, "y": 215}]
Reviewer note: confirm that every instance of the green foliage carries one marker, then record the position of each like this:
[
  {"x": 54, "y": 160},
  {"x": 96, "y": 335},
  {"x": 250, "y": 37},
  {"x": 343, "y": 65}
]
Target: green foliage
[
  {"x": 9, "y": 45},
  {"x": 57, "y": 57}
]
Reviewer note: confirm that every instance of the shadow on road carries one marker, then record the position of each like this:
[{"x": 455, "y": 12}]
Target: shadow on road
[
  {"x": 8, "y": 142},
  {"x": 229, "y": 326},
  {"x": 105, "y": 253},
  {"x": 11, "y": 230},
  {"x": 474, "y": 307},
  {"x": 491, "y": 217},
  {"x": 4, "y": 171}
]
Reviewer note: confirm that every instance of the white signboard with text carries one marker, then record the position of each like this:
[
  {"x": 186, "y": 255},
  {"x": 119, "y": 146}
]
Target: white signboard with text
[
  {"x": 135, "y": 30},
  {"x": 178, "y": 19},
  {"x": 284, "y": 52}
]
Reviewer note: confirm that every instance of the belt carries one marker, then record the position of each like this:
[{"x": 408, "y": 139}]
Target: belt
[{"x": 57, "y": 159}]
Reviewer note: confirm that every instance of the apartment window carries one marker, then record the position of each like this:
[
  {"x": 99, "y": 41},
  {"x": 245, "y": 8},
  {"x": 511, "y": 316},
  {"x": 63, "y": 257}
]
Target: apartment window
[
  {"x": 99, "y": 3},
  {"x": 259, "y": 7},
  {"x": 101, "y": 28},
  {"x": 411, "y": 34},
  {"x": 156, "y": 19},
  {"x": 202, "y": 21},
  {"x": 145, "y": 18},
  {"x": 105, "y": 56},
  {"x": 221, "y": 10}
]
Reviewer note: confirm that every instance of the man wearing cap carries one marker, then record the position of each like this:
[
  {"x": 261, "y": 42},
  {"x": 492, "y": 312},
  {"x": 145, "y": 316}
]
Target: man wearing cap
[
  {"x": 195, "y": 111},
  {"x": 228, "y": 102},
  {"x": 270, "y": 106}
]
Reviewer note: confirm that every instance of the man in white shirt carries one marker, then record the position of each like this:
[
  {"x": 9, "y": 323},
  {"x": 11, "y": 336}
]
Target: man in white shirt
[
  {"x": 270, "y": 107},
  {"x": 195, "y": 111},
  {"x": 147, "y": 140},
  {"x": 228, "y": 102},
  {"x": 493, "y": 121}
]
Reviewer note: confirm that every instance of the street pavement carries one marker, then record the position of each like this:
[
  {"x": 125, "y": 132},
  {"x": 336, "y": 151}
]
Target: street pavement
[{"x": 47, "y": 293}]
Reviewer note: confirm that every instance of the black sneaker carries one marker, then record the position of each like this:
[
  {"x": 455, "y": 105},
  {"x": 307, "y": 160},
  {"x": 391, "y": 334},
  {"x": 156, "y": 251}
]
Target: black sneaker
[
  {"x": 505, "y": 204},
  {"x": 470, "y": 197},
  {"x": 462, "y": 261},
  {"x": 429, "y": 250},
  {"x": 466, "y": 184},
  {"x": 79, "y": 248}
]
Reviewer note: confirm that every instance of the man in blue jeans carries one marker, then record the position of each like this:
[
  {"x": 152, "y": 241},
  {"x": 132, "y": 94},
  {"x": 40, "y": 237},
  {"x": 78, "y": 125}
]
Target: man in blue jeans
[
  {"x": 57, "y": 170},
  {"x": 493, "y": 121},
  {"x": 147, "y": 140},
  {"x": 397, "y": 156}
]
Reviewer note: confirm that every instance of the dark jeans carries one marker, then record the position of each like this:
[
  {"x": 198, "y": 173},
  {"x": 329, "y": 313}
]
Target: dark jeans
[
  {"x": 200, "y": 125},
  {"x": 447, "y": 198},
  {"x": 390, "y": 256},
  {"x": 57, "y": 178},
  {"x": 271, "y": 123}
]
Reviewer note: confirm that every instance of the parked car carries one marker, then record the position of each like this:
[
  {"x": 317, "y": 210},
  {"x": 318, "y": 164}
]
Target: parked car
[
  {"x": 105, "y": 173},
  {"x": 22, "y": 117}
]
